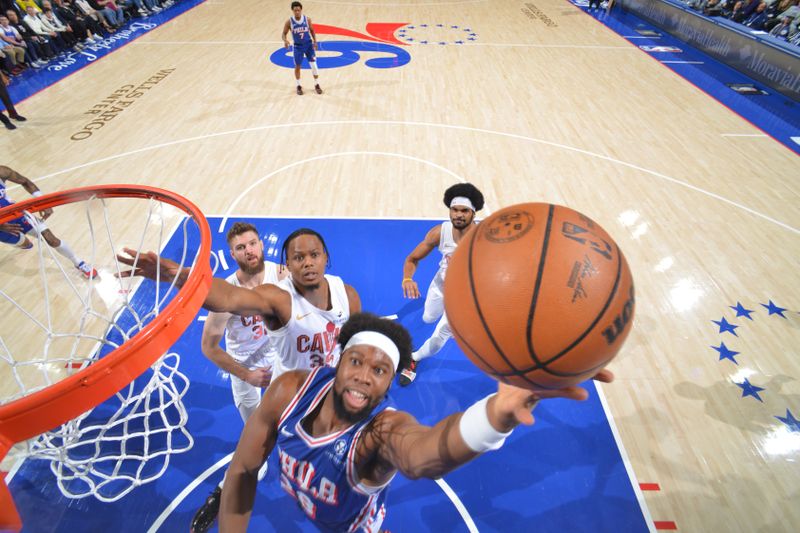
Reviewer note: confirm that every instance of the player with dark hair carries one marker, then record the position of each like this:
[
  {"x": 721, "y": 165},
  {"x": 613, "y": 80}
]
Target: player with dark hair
[
  {"x": 303, "y": 314},
  {"x": 463, "y": 200},
  {"x": 14, "y": 231},
  {"x": 340, "y": 447},
  {"x": 305, "y": 44}
]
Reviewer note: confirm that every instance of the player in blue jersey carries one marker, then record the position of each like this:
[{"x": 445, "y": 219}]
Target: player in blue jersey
[
  {"x": 14, "y": 231},
  {"x": 305, "y": 44},
  {"x": 339, "y": 446}
]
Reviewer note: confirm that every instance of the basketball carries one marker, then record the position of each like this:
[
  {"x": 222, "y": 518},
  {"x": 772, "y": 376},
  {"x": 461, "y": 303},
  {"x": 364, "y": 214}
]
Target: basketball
[{"x": 539, "y": 296}]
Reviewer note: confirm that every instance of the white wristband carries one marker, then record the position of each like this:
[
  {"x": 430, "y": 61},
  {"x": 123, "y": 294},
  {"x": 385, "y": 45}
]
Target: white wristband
[
  {"x": 477, "y": 431},
  {"x": 36, "y": 194}
]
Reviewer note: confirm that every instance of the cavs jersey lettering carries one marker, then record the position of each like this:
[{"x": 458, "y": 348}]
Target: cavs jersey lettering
[
  {"x": 300, "y": 31},
  {"x": 308, "y": 339},
  {"x": 246, "y": 336},
  {"x": 320, "y": 472}
]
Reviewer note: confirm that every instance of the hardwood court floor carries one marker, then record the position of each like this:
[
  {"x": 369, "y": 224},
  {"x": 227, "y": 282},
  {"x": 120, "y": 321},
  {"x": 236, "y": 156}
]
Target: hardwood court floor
[{"x": 569, "y": 113}]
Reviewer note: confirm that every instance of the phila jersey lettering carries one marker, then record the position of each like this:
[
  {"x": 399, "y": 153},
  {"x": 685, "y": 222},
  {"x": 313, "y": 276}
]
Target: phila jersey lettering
[{"x": 319, "y": 472}]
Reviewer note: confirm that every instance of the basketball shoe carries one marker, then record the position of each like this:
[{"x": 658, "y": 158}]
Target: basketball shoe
[
  {"x": 87, "y": 271},
  {"x": 408, "y": 374},
  {"x": 205, "y": 516},
  {"x": 318, "y": 88},
  {"x": 299, "y": 90}
]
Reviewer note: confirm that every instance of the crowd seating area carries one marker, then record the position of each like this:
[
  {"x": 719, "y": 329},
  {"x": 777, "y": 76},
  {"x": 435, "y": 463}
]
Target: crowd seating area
[
  {"x": 778, "y": 18},
  {"x": 36, "y": 33}
]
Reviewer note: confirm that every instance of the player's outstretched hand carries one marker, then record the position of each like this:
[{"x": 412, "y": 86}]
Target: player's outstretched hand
[
  {"x": 149, "y": 265},
  {"x": 410, "y": 289},
  {"x": 513, "y": 405},
  {"x": 11, "y": 227},
  {"x": 259, "y": 377}
]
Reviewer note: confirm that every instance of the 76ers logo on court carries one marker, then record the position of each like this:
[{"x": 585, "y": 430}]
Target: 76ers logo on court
[{"x": 333, "y": 54}]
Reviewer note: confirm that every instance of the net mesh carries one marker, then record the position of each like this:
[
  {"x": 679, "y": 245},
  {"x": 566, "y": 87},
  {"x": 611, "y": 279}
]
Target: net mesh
[{"x": 60, "y": 322}]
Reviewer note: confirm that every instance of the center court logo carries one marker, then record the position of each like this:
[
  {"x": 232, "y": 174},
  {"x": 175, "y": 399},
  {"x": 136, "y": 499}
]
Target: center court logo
[{"x": 378, "y": 40}]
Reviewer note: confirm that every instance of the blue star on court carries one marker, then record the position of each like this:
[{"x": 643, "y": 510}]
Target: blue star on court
[
  {"x": 791, "y": 421},
  {"x": 774, "y": 309},
  {"x": 742, "y": 310},
  {"x": 724, "y": 326},
  {"x": 748, "y": 389},
  {"x": 726, "y": 353}
]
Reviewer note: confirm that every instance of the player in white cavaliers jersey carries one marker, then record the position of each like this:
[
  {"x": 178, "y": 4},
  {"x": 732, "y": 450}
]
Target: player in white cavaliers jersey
[
  {"x": 305, "y": 256},
  {"x": 463, "y": 200},
  {"x": 308, "y": 340},
  {"x": 249, "y": 352}
]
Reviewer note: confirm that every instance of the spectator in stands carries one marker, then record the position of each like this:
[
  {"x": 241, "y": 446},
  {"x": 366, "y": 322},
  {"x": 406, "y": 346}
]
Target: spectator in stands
[
  {"x": 759, "y": 17},
  {"x": 713, "y": 8},
  {"x": 83, "y": 6},
  {"x": 11, "y": 35},
  {"x": 43, "y": 49},
  {"x": 791, "y": 10},
  {"x": 113, "y": 14},
  {"x": 749, "y": 8},
  {"x": 737, "y": 13},
  {"x": 13, "y": 57},
  {"x": 85, "y": 27},
  {"x": 726, "y": 8},
  {"x": 781, "y": 30},
  {"x": 25, "y": 4},
  {"x": 51, "y": 21},
  {"x": 41, "y": 30}
]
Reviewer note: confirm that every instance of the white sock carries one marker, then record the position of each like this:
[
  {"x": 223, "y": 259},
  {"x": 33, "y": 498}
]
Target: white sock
[
  {"x": 67, "y": 252},
  {"x": 298, "y": 82}
]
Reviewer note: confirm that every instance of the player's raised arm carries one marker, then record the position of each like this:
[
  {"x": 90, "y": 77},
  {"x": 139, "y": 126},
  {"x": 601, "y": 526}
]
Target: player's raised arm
[
  {"x": 421, "y": 451},
  {"x": 428, "y": 244},
  {"x": 255, "y": 445},
  {"x": 222, "y": 296},
  {"x": 9, "y": 174}
]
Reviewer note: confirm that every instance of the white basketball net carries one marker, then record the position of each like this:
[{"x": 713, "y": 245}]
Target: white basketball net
[{"x": 61, "y": 322}]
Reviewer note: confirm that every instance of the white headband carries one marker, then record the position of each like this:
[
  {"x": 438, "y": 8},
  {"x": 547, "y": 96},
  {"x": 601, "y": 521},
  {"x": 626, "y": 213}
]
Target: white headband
[
  {"x": 378, "y": 340},
  {"x": 462, "y": 200}
]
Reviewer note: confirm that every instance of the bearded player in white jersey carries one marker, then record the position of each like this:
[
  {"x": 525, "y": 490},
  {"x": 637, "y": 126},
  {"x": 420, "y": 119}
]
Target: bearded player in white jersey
[
  {"x": 463, "y": 200},
  {"x": 304, "y": 312}
]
